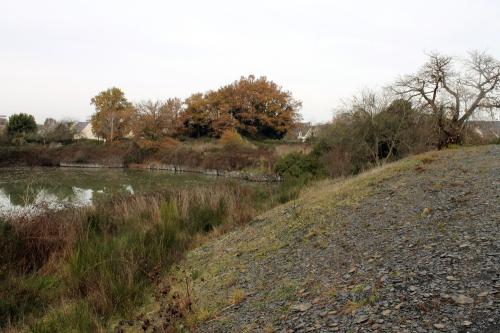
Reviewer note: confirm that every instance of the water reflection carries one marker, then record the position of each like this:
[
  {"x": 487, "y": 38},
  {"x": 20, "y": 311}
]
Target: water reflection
[{"x": 24, "y": 191}]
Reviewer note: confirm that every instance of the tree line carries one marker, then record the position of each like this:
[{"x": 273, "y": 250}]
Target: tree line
[
  {"x": 437, "y": 101},
  {"x": 444, "y": 91},
  {"x": 254, "y": 107}
]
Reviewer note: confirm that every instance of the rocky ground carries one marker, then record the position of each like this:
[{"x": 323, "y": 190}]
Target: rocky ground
[{"x": 410, "y": 247}]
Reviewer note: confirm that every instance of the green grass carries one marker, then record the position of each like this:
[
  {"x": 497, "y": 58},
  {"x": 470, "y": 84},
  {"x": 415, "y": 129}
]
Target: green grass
[
  {"x": 77, "y": 317},
  {"x": 20, "y": 296}
]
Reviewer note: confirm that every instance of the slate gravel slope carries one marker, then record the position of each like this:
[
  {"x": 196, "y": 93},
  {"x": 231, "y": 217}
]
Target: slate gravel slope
[{"x": 417, "y": 250}]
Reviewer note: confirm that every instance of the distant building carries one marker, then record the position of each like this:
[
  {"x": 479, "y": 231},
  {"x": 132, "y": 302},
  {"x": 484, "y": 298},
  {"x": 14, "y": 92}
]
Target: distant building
[
  {"x": 3, "y": 120},
  {"x": 83, "y": 130},
  {"x": 302, "y": 132},
  {"x": 486, "y": 129}
]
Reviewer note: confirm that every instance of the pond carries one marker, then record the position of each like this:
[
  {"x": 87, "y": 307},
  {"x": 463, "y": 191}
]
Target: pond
[{"x": 30, "y": 190}]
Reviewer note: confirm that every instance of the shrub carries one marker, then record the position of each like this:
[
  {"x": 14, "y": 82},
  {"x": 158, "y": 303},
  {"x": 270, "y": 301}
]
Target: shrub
[
  {"x": 370, "y": 132},
  {"x": 135, "y": 154},
  {"x": 299, "y": 165},
  {"x": 61, "y": 133},
  {"x": 80, "y": 157},
  {"x": 10, "y": 245},
  {"x": 297, "y": 169},
  {"x": 231, "y": 138}
]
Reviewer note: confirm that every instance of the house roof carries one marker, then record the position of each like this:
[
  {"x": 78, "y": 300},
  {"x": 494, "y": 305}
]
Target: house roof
[
  {"x": 299, "y": 128},
  {"x": 80, "y": 125},
  {"x": 490, "y": 125}
]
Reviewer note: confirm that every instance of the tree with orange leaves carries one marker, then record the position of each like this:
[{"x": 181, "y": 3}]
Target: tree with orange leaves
[
  {"x": 256, "y": 108},
  {"x": 262, "y": 109}
]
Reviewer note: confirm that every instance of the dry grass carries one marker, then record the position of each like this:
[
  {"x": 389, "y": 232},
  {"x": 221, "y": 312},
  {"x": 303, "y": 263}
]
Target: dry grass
[
  {"x": 237, "y": 296},
  {"x": 202, "y": 146},
  {"x": 285, "y": 149}
]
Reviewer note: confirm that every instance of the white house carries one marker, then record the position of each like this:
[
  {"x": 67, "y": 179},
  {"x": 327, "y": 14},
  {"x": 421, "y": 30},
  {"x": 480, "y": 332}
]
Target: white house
[
  {"x": 306, "y": 136},
  {"x": 83, "y": 130}
]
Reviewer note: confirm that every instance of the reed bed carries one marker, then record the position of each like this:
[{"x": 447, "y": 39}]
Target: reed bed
[{"x": 104, "y": 260}]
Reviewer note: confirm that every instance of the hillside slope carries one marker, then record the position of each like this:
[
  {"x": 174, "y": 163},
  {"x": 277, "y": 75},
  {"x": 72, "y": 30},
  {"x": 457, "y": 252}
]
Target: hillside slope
[{"x": 413, "y": 246}]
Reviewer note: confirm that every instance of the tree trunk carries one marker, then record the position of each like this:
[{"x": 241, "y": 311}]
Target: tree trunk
[
  {"x": 450, "y": 132},
  {"x": 111, "y": 136}
]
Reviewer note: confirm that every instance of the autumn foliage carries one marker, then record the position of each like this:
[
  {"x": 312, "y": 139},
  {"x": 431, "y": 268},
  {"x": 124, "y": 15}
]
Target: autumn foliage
[
  {"x": 256, "y": 108},
  {"x": 113, "y": 112},
  {"x": 252, "y": 107}
]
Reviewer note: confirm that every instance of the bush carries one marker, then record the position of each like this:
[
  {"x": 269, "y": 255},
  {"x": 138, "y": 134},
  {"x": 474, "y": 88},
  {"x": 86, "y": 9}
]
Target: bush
[
  {"x": 372, "y": 132},
  {"x": 61, "y": 133},
  {"x": 10, "y": 245},
  {"x": 299, "y": 165},
  {"x": 297, "y": 169},
  {"x": 231, "y": 138},
  {"x": 135, "y": 154}
]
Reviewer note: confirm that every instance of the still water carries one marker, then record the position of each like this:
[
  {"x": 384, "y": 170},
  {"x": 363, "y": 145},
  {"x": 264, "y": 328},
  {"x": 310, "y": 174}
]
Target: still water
[{"x": 27, "y": 191}]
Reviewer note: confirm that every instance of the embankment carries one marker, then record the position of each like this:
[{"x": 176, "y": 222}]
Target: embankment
[
  {"x": 246, "y": 162},
  {"x": 411, "y": 246}
]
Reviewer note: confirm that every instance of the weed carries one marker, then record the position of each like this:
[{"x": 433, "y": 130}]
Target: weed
[
  {"x": 77, "y": 317},
  {"x": 237, "y": 296}
]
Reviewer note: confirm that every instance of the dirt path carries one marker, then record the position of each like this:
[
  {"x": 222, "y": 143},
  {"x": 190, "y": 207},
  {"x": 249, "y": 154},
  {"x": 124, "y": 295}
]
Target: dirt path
[{"x": 411, "y": 247}]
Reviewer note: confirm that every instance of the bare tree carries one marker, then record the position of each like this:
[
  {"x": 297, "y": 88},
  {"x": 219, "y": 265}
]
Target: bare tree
[
  {"x": 156, "y": 119},
  {"x": 366, "y": 107},
  {"x": 452, "y": 96}
]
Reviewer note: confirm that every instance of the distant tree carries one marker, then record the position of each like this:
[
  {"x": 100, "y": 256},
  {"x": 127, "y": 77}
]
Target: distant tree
[
  {"x": 261, "y": 107},
  {"x": 44, "y": 131},
  {"x": 21, "y": 124},
  {"x": 112, "y": 116},
  {"x": 199, "y": 114},
  {"x": 62, "y": 132},
  {"x": 156, "y": 119},
  {"x": 208, "y": 115},
  {"x": 452, "y": 95},
  {"x": 256, "y": 108}
]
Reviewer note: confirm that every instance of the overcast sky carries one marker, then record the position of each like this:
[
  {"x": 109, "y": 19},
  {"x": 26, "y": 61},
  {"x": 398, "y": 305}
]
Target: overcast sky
[{"x": 56, "y": 54}]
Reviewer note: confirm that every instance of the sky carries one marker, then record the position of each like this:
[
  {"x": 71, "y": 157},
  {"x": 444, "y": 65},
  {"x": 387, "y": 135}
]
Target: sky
[{"x": 56, "y": 54}]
